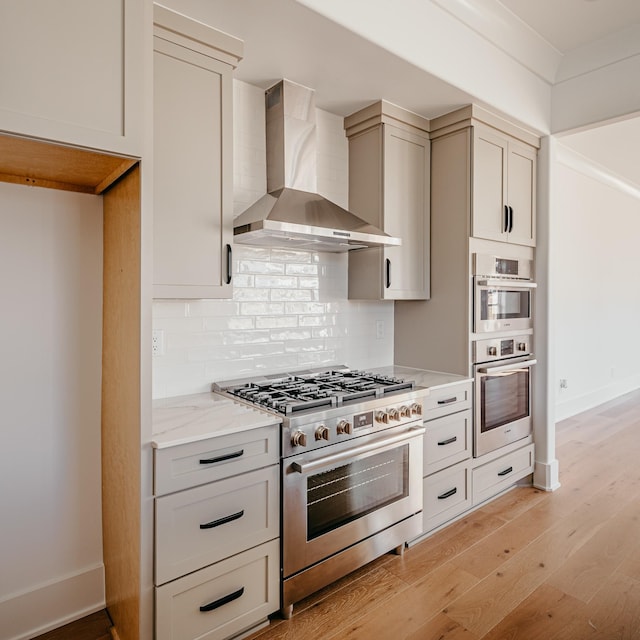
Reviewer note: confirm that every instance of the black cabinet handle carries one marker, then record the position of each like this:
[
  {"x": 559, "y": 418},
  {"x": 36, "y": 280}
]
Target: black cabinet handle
[
  {"x": 506, "y": 471},
  {"x": 449, "y": 441},
  {"x": 510, "y": 219},
  {"x": 448, "y": 400},
  {"x": 506, "y": 218},
  {"x": 228, "y": 456},
  {"x": 388, "y": 272},
  {"x": 448, "y": 494},
  {"x": 218, "y": 603},
  {"x": 225, "y": 520},
  {"x": 229, "y": 265}
]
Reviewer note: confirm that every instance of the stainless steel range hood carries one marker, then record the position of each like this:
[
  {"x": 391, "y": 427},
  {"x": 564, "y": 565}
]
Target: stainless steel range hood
[{"x": 292, "y": 214}]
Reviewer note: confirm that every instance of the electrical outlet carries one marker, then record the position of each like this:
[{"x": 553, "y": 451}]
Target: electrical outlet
[
  {"x": 564, "y": 383},
  {"x": 379, "y": 329},
  {"x": 157, "y": 343}
]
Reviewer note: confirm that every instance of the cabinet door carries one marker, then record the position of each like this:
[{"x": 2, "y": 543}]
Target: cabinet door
[
  {"x": 406, "y": 215},
  {"x": 489, "y": 185},
  {"x": 521, "y": 194},
  {"x": 192, "y": 173},
  {"x": 72, "y": 72}
]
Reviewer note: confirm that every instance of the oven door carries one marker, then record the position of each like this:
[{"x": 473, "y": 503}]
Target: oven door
[
  {"x": 338, "y": 495},
  {"x": 500, "y": 305},
  {"x": 502, "y": 404}
]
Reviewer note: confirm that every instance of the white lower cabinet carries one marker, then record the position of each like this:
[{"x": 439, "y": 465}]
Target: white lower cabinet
[
  {"x": 222, "y": 600},
  {"x": 446, "y": 494},
  {"x": 493, "y": 477},
  {"x": 217, "y": 535}
]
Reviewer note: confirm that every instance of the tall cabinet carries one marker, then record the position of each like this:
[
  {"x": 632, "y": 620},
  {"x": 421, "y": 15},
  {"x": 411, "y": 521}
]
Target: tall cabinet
[
  {"x": 193, "y": 138},
  {"x": 389, "y": 160},
  {"x": 480, "y": 164}
]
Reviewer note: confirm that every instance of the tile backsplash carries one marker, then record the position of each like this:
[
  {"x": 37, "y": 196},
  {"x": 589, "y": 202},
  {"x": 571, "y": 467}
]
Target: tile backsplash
[{"x": 289, "y": 308}]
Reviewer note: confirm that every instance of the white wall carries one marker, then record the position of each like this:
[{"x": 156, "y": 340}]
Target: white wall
[
  {"x": 289, "y": 308},
  {"x": 50, "y": 344},
  {"x": 596, "y": 297}
]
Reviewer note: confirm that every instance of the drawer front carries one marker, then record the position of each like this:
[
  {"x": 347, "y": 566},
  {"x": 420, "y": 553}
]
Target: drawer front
[
  {"x": 446, "y": 495},
  {"x": 447, "y": 441},
  {"x": 196, "y": 463},
  {"x": 236, "y": 594},
  {"x": 492, "y": 478},
  {"x": 442, "y": 402},
  {"x": 200, "y": 526}
]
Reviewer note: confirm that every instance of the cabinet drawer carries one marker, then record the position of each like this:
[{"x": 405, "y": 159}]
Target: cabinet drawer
[
  {"x": 493, "y": 477},
  {"x": 442, "y": 402},
  {"x": 447, "y": 441},
  {"x": 189, "y": 465},
  {"x": 237, "y": 594},
  {"x": 446, "y": 495},
  {"x": 200, "y": 526}
]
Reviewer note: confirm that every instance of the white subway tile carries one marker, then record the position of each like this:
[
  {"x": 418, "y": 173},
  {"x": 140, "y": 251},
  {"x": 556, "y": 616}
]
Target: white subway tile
[
  {"x": 276, "y": 282},
  {"x": 275, "y": 322},
  {"x": 260, "y": 267},
  {"x": 245, "y": 337},
  {"x": 289, "y": 255},
  {"x": 261, "y": 308},
  {"x": 289, "y": 335},
  {"x": 300, "y": 308},
  {"x": 301, "y": 269},
  {"x": 251, "y": 293}
]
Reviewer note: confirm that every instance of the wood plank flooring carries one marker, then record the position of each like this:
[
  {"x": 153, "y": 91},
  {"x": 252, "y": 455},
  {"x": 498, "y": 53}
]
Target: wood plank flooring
[{"x": 528, "y": 566}]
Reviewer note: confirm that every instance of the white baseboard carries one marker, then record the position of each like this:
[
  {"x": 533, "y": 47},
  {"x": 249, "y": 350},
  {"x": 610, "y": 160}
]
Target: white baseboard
[
  {"x": 546, "y": 475},
  {"x": 51, "y": 605},
  {"x": 573, "y": 406}
]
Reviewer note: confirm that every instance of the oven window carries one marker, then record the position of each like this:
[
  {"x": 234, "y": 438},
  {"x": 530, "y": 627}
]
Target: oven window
[
  {"x": 503, "y": 304},
  {"x": 356, "y": 489},
  {"x": 504, "y": 398}
]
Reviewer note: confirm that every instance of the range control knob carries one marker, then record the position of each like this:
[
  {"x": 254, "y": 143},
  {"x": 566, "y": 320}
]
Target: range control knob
[
  {"x": 322, "y": 433},
  {"x": 299, "y": 439},
  {"x": 344, "y": 427},
  {"x": 416, "y": 409},
  {"x": 394, "y": 414},
  {"x": 492, "y": 351},
  {"x": 405, "y": 412},
  {"x": 382, "y": 416}
]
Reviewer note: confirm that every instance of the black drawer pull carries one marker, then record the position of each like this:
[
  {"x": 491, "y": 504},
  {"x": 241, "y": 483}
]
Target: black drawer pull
[
  {"x": 226, "y": 600},
  {"x": 225, "y": 520},
  {"x": 505, "y": 472},
  {"x": 449, "y": 441},
  {"x": 448, "y": 494},
  {"x": 448, "y": 400},
  {"x": 228, "y": 456}
]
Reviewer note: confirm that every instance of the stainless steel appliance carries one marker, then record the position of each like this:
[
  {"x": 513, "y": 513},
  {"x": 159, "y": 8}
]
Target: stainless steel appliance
[
  {"x": 503, "y": 294},
  {"x": 351, "y": 469},
  {"x": 502, "y": 383}
]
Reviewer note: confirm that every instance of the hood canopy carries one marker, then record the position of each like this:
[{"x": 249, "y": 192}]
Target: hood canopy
[{"x": 292, "y": 214}]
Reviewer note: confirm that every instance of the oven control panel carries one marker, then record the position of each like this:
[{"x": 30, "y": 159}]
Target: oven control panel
[
  {"x": 500, "y": 348},
  {"x": 329, "y": 431}
]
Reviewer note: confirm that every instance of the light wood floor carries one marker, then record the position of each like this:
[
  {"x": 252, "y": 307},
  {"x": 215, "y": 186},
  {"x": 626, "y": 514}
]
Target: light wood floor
[{"x": 529, "y": 565}]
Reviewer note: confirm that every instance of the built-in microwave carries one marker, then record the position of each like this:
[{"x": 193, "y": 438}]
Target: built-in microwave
[{"x": 503, "y": 294}]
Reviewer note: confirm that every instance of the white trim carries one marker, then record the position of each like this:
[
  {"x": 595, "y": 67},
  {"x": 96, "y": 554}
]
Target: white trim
[
  {"x": 52, "y": 604},
  {"x": 546, "y": 475},
  {"x": 593, "y": 398},
  {"x": 595, "y": 171}
]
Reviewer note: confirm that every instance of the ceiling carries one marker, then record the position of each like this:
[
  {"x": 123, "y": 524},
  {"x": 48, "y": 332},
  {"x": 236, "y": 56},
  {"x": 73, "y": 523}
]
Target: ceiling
[
  {"x": 568, "y": 24},
  {"x": 285, "y": 39}
]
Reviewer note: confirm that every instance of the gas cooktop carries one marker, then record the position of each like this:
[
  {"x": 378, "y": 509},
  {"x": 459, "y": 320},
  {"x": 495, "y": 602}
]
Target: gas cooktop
[{"x": 300, "y": 391}]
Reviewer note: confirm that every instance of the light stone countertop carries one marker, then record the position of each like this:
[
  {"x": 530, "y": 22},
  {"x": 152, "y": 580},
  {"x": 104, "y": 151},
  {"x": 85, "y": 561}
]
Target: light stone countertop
[
  {"x": 184, "y": 419},
  {"x": 422, "y": 377}
]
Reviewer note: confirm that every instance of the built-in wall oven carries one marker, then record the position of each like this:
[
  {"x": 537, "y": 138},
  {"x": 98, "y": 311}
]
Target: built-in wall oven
[
  {"x": 503, "y": 294},
  {"x": 502, "y": 379}
]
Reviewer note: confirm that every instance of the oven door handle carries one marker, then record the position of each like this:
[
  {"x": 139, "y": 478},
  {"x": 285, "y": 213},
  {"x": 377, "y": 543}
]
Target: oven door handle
[
  {"x": 349, "y": 454},
  {"x": 508, "y": 367},
  {"x": 505, "y": 283}
]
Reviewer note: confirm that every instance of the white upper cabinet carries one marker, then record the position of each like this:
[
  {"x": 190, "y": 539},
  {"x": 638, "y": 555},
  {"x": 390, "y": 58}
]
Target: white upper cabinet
[
  {"x": 389, "y": 159},
  {"x": 193, "y": 137},
  {"x": 504, "y": 179},
  {"x": 72, "y": 72}
]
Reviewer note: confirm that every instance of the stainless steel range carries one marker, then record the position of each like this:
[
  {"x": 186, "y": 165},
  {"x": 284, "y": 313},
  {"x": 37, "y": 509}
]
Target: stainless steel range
[{"x": 351, "y": 469}]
